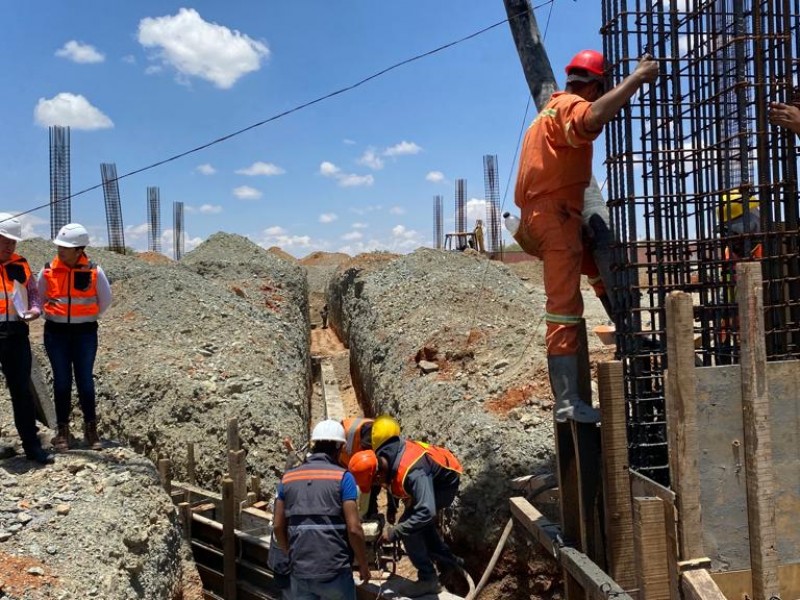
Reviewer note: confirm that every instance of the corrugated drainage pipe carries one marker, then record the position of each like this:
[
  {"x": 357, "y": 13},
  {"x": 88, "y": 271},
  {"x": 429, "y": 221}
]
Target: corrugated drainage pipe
[{"x": 495, "y": 557}]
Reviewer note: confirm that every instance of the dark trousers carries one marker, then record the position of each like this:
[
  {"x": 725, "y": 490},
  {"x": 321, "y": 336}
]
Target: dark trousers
[
  {"x": 72, "y": 352},
  {"x": 15, "y": 359}
]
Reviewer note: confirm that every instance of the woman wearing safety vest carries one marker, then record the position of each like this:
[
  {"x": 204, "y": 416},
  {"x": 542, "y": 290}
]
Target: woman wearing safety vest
[
  {"x": 19, "y": 304},
  {"x": 75, "y": 292}
]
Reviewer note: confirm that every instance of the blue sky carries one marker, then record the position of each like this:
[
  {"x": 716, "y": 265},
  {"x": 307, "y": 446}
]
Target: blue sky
[{"x": 141, "y": 81}]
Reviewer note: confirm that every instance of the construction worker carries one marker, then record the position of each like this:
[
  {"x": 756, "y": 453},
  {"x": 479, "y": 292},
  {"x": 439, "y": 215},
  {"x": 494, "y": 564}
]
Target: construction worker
[
  {"x": 478, "y": 233},
  {"x": 785, "y": 115},
  {"x": 554, "y": 172},
  {"x": 316, "y": 521},
  {"x": 76, "y": 293},
  {"x": 426, "y": 478},
  {"x": 737, "y": 227},
  {"x": 19, "y": 304},
  {"x": 323, "y": 314}
]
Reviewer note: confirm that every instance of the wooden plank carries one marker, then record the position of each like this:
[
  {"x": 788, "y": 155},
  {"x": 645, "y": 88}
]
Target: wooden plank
[
  {"x": 588, "y": 577},
  {"x": 698, "y": 585},
  {"x": 651, "y": 548},
  {"x": 229, "y": 538},
  {"x": 233, "y": 434},
  {"x": 190, "y": 464},
  {"x": 682, "y": 434},
  {"x": 569, "y": 492},
  {"x": 543, "y": 531},
  {"x": 165, "y": 473},
  {"x": 738, "y": 584},
  {"x": 197, "y": 494},
  {"x": 237, "y": 472},
  {"x": 40, "y": 392},
  {"x": 757, "y": 432},
  {"x": 616, "y": 481}
]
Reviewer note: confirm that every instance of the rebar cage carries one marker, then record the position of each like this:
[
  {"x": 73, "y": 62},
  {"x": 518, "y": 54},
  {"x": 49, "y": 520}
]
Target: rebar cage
[{"x": 691, "y": 156}]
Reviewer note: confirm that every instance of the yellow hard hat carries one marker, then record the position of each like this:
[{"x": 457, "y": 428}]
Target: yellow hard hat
[
  {"x": 383, "y": 428},
  {"x": 731, "y": 206}
]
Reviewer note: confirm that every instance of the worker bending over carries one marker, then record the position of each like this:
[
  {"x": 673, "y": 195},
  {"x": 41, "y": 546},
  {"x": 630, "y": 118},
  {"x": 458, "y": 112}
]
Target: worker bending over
[
  {"x": 554, "y": 172},
  {"x": 316, "y": 521},
  {"x": 426, "y": 478}
]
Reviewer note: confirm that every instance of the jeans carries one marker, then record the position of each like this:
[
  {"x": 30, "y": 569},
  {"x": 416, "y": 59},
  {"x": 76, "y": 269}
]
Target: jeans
[
  {"x": 425, "y": 546},
  {"x": 15, "y": 361},
  {"x": 341, "y": 587},
  {"x": 70, "y": 352}
]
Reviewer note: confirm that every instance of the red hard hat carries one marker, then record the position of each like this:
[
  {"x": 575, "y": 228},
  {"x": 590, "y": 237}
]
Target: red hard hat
[
  {"x": 588, "y": 60},
  {"x": 363, "y": 465}
]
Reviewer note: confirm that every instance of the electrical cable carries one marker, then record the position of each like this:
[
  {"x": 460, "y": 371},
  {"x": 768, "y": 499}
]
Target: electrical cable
[{"x": 280, "y": 115}]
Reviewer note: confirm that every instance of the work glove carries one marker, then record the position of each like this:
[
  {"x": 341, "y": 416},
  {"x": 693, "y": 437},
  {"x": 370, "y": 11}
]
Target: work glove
[{"x": 388, "y": 535}]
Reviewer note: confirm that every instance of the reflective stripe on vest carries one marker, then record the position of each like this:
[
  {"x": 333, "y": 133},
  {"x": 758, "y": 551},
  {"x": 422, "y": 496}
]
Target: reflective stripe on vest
[
  {"x": 412, "y": 453},
  {"x": 16, "y": 269},
  {"x": 64, "y": 302}
]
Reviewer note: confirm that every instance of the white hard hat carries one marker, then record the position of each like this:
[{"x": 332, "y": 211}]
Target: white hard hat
[
  {"x": 10, "y": 227},
  {"x": 328, "y": 431},
  {"x": 72, "y": 235}
]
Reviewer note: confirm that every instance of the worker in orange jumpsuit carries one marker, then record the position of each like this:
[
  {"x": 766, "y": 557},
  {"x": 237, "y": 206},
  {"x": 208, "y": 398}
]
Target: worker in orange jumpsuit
[{"x": 554, "y": 172}]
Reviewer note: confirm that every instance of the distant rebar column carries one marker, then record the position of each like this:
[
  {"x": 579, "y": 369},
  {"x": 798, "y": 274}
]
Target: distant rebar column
[
  {"x": 153, "y": 219},
  {"x": 60, "y": 180},
  {"x": 686, "y": 157},
  {"x": 491, "y": 182},
  {"x": 461, "y": 211},
  {"x": 177, "y": 229},
  {"x": 116, "y": 231},
  {"x": 438, "y": 227}
]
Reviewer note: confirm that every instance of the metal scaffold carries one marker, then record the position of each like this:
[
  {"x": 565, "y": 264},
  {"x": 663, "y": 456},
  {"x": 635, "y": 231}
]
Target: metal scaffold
[
  {"x": 438, "y": 226},
  {"x": 461, "y": 207},
  {"x": 60, "y": 181},
  {"x": 153, "y": 219},
  {"x": 492, "y": 185},
  {"x": 698, "y": 180},
  {"x": 177, "y": 229},
  {"x": 116, "y": 231}
]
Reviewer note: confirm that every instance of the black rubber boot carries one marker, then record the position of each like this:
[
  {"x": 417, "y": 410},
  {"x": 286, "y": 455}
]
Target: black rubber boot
[{"x": 564, "y": 382}]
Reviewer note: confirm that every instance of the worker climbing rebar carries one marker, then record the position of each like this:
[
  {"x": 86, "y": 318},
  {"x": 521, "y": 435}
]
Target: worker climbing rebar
[{"x": 555, "y": 170}]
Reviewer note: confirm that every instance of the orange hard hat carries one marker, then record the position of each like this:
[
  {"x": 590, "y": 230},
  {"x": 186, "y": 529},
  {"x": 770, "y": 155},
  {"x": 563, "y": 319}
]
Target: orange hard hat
[
  {"x": 588, "y": 60},
  {"x": 363, "y": 465}
]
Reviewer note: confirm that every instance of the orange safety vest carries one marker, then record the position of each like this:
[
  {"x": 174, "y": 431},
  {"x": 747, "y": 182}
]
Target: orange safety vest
[
  {"x": 412, "y": 453},
  {"x": 71, "y": 293},
  {"x": 352, "y": 435},
  {"x": 16, "y": 269}
]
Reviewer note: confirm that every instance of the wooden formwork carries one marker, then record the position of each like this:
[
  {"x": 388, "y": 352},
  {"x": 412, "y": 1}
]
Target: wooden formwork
[{"x": 727, "y": 528}]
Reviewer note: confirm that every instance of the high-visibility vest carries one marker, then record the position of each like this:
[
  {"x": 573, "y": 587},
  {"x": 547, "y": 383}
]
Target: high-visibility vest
[
  {"x": 412, "y": 454},
  {"x": 15, "y": 269},
  {"x": 352, "y": 435},
  {"x": 71, "y": 293}
]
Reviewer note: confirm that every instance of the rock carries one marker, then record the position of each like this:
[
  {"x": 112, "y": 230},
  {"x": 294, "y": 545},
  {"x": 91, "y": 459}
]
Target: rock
[
  {"x": 62, "y": 509},
  {"x": 24, "y": 518},
  {"x": 35, "y": 571},
  {"x": 427, "y": 366},
  {"x": 5, "y": 536}
]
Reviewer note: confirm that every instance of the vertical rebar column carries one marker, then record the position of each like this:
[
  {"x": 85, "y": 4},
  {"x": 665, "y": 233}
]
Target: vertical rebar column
[
  {"x": 153, "y": 219},
  {"x": 60, "y": 180},
  {"x": 491, "y": 182},
  {"x": 116, "y": 231},
  {"x": 461, "y": 211},
  {"x": 438, "y": 227},
  {"x": 177, "y": 229},
  {"x": 689, "y": 158}
]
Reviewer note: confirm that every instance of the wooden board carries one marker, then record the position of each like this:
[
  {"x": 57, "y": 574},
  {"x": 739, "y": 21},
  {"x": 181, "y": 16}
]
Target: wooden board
[
  {"x": 735, "y": 584},
  {"x": 722, "y": 462}
]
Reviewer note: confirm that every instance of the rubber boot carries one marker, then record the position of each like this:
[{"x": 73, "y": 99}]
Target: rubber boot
[
  {"x": 36, "y": 453},
  {"x": 90, "y": 434},
  {"x": 564, "y": 382},
  {"x": 415, "y": 589},
  {"x": 61, "y": 440}
]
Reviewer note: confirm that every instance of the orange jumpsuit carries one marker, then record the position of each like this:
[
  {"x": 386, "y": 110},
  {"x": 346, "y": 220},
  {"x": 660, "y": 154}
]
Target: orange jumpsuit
[{"x": 555, "y": 170}]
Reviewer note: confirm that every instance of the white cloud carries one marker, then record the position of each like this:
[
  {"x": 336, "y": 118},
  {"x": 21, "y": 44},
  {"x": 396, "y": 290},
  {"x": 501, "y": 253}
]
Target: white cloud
[
  {"x": 137, "y": 231},
  {"x": 275, "y": 230},
  {"x": 261, "y": 168},
  {"x": 129, "y": 59},
  {"x": 402, "y": 148},
  {"x": 359, "y": 226},
  {"x": 328, "y": 217},
  {"x": 278, "y": 236},
  {"x": 245, "y": 192},
  {"x": 205, "y": 169},
  {"x": 80, "y": 53},
  {"x": 400, "y": 231},
  {"x": 435, "y": 177},
  {"x": 476, "y": 209},
  {"x": 353, "y": 235},
  {"x": 348, "y": 142},
  {"x": 397, "y": 210},
  {"x": 353, "y": 180},
  {"x": 70, "y": 110},
  {"x": 33, "y": 225},
  {"x": 371, "y": 159},
  {"x": 197, "y": 48},
  {"x": 328, "y": 169},
  {"x": 367, "y": 209},
  {"x": 210, "y": 209},
  {"x": 168, "y": 244}
]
